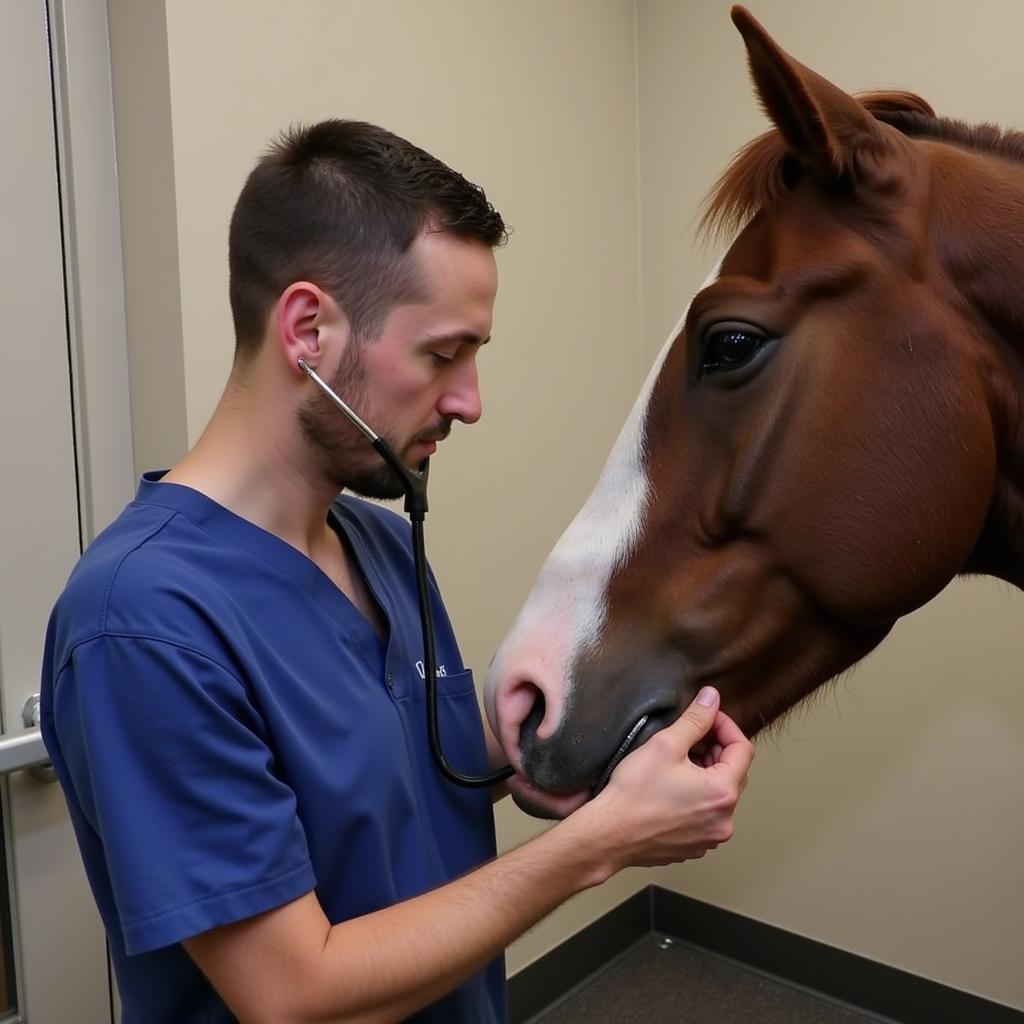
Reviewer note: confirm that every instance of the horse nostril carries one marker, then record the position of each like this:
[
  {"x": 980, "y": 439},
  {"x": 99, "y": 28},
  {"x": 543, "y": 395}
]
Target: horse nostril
[
  {"x": 521, "y": 707},
  {"x": 528, "y": 729}
]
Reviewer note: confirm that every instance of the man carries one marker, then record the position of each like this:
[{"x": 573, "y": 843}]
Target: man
[{"x": 230, "y": 696}]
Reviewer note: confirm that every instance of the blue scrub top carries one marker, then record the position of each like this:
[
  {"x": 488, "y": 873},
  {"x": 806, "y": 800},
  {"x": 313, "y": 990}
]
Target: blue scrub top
[{"x": 230, "y": 733}]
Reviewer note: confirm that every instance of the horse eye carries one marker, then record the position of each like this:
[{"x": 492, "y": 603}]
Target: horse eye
[{"x": 730, "y": 348}]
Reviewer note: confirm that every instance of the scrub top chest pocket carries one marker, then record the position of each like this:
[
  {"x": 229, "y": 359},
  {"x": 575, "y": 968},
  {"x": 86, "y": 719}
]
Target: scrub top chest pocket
[{"x": 459, "y": 720}]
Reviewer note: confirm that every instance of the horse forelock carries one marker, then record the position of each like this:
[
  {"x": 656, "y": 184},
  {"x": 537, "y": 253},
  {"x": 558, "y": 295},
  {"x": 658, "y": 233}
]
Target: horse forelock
[{"x": 763, "y": 171}]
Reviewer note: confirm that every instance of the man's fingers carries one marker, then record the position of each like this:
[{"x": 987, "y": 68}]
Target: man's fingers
[
  {"x": 727, "y": 731},
  {"x": 737, "y": 751},
  {"x": 696, "y": 721}
]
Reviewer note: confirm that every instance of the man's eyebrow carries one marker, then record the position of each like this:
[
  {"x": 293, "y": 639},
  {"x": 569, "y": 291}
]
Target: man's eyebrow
[{"x": 462, "y": 337}]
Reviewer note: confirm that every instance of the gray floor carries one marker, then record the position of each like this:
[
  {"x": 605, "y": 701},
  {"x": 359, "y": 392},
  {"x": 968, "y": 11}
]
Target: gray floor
[{"x": 659, "y": 981}]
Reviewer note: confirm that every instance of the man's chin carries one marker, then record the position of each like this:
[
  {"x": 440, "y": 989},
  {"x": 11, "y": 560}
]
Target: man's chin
[
  {"x": 380, "y": 483},
  {"x": 379, "y": 486}
]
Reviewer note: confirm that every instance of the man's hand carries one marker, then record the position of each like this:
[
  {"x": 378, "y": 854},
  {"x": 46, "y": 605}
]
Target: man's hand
[{"x": 661, "y": 805}]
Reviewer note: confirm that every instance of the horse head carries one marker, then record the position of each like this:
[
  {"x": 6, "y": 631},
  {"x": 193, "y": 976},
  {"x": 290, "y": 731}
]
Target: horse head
[{"x": 832, "y": 432}]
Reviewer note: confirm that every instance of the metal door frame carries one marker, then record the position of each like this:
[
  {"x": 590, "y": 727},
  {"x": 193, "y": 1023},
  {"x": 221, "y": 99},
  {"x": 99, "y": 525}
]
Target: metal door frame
[
  {"x": 84, "y": 126},
  {"x": 82, "y": 95}
]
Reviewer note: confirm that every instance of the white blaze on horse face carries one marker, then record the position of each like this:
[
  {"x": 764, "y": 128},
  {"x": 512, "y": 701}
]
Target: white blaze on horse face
[{"x": 565, "y": 612}]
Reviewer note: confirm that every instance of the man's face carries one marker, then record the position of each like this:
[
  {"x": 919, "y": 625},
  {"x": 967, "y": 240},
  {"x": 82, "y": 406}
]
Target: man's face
[{"x": 417, "y": 377}]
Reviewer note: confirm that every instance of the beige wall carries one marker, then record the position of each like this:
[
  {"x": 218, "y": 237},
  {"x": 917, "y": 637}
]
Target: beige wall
[
  {"x": 887, "y": 818},
  {"x": 145, "y": 159}
]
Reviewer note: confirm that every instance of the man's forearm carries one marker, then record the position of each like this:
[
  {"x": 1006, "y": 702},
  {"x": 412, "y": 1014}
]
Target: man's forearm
[
  {"x": 386, "y": 965},
  {"x": 414, "y": 953}
]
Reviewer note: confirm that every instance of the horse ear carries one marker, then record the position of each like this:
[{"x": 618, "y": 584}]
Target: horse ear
[{"x": 827, "y": 127}]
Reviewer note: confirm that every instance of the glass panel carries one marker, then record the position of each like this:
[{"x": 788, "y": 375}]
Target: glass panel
[{"x": 8, "y": 994}]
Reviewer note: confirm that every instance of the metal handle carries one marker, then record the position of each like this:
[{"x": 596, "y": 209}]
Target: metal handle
[{"x": 25, "y": 751}]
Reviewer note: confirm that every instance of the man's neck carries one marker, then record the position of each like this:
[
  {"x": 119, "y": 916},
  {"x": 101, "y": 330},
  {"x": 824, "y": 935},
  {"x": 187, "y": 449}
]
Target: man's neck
[{"x": 250, "y": 465}]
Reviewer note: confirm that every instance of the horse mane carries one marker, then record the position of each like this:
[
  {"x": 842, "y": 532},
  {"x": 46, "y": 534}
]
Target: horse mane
[{"x": 762, "y": 172}]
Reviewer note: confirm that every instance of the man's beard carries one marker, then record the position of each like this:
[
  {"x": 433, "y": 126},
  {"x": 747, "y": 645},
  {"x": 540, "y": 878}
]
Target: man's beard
[{"x": 339, "y": 451}]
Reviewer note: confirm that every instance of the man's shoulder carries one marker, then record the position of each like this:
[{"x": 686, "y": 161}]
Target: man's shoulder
[{"x": 136, "y": 577}]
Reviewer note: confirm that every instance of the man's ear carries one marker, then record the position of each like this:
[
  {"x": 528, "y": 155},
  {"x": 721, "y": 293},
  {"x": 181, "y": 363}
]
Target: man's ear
[{"x": 306, "y": 318}]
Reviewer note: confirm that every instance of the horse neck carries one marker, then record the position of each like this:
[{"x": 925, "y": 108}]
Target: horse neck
[{"x": 983, "y": 257}]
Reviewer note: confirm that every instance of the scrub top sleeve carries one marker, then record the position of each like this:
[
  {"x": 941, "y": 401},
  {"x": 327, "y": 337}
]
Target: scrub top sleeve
[{"x": 172, "y": 770}]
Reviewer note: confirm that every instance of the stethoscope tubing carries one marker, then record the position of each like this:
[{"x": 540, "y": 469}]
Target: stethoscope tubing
[
  {"x": 430, "y": 671},
  {"x": 415, "y": 486}
]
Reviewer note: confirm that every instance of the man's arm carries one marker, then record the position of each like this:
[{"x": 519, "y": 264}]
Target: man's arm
[{"x": 291, "y": 966}]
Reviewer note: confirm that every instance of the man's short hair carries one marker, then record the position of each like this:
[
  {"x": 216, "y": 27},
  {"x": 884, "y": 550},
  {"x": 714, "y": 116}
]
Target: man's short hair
[{"x": 339, "y": 204}]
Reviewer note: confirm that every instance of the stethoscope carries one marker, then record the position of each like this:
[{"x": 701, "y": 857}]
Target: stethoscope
[{"x": 415, "y": 485}]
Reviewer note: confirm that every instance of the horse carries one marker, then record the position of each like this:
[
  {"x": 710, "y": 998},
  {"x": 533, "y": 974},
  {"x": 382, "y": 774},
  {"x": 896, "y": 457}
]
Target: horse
[{"x": 832, "y": 432}]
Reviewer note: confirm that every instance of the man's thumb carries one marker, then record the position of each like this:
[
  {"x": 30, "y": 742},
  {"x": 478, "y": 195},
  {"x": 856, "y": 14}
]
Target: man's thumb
[{"x": 695, "y": 722}]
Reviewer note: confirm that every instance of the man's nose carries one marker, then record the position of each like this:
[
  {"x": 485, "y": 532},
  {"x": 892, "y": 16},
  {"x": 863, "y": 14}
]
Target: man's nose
[{"x": 462, "y": 399}]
